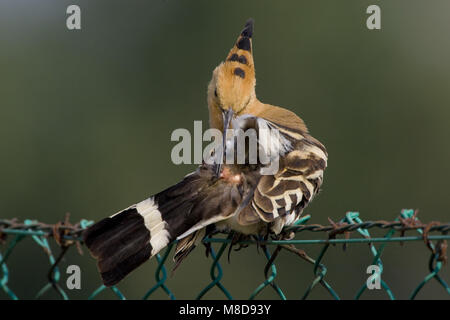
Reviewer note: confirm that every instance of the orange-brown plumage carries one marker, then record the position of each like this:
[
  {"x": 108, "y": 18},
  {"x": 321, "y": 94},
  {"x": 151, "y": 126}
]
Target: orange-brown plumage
[{"x": 228, "y": 90}]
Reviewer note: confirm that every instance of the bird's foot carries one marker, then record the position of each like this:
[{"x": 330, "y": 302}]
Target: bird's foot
[{"x": 238, "y": 239}]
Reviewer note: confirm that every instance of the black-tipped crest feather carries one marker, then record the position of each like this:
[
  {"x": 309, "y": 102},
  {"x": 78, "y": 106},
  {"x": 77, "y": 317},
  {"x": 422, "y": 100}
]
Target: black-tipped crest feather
[{"x": 248, "y": 28}]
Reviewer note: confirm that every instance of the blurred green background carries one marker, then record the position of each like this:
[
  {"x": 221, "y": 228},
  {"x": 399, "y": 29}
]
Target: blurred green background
[{"x": 86, "y": 118}]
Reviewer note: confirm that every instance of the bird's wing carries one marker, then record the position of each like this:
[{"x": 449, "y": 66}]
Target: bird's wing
[{"x": 293, "y": 186}]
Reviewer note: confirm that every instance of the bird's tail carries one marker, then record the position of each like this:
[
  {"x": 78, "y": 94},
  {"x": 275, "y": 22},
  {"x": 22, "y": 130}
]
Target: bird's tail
[
  {"x": 127, "y": 239},
  {"x": 120, "y": 243}
]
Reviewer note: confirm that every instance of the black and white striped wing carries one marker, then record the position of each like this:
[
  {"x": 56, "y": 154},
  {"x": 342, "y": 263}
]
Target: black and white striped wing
[{"x": 286, "y": 193}]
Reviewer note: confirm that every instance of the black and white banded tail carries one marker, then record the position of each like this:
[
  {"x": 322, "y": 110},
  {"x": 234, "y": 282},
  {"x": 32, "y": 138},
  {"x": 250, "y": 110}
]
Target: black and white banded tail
[{"x": 127, "y": 239}]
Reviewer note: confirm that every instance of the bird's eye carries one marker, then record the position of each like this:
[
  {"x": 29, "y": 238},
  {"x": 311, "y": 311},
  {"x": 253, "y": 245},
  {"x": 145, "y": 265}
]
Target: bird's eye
[{"x": 215, "y": 92}]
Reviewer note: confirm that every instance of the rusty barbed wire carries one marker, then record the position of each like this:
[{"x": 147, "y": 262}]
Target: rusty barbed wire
[{"x": 64, "y": 229}]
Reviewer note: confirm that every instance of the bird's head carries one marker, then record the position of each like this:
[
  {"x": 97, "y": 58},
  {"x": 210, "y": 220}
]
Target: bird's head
[{"x": 232, "y": 87}]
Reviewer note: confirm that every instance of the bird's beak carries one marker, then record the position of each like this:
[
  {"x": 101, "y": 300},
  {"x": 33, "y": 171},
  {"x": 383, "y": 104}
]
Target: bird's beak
[{"x": 227, "y": 116}]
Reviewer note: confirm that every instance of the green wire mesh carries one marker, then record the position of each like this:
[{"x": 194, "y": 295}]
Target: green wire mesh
[{"x": 66, "y": 235}]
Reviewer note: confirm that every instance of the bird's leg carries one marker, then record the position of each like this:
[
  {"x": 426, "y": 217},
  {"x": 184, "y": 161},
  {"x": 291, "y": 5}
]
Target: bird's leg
[
  {"x": 207, "y": 248},
  {"x": 210, "y": 231},
  {"x": 258, "y": 240},
  {"x": 238, "y": 238}
]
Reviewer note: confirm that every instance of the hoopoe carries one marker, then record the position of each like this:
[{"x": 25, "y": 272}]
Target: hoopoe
[{"x": 235, "y": 197}]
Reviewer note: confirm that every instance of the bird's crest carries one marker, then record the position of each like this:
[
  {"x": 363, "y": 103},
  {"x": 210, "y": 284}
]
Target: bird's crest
[
  {"x": 233, "y": 83},
  {"x": 242, "y": 49},
  {"x": 239, "y": 60}
]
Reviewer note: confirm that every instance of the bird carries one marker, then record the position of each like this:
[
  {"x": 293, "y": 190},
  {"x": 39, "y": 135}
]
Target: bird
[{"x": 244, "y": 198}]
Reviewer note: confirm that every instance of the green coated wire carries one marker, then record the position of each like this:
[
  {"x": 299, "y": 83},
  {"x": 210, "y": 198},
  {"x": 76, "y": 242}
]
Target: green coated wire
[
  {"x": 430, "y": 276},
  {"x": 409, "y": 213},
  {"x": 320, "y": 276},
  {"x": 42, "y": 241},
  {"x": 102, "y": 288},
  {"x": 160, "y": 282},
  {"x": 269, "y": 280},
  {"x": 5, "y": 278},
  {"x": 4, "y": 282},
  {"x": 352, "y": 217},
  {"x": 216, "y": 266},
  {"x": 55, "y": 275}
]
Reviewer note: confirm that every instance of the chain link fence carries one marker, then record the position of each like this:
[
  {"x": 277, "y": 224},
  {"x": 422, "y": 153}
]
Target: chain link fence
[{"x": 66, "y": 235}]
